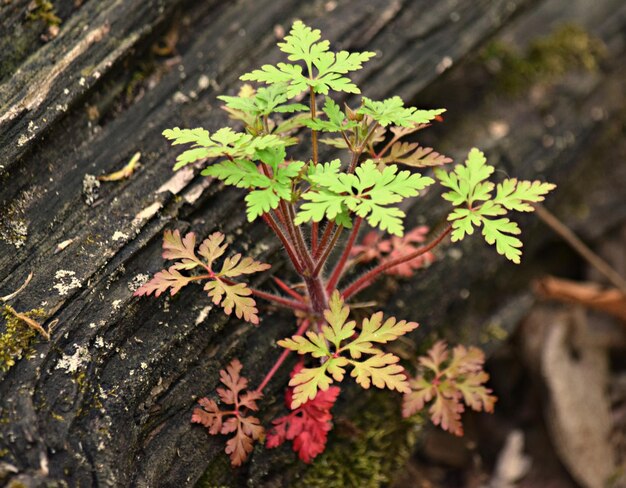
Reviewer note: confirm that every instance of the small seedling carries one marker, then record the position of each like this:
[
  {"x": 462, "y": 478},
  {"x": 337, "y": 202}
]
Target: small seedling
[{"x": 308, "y": 204}]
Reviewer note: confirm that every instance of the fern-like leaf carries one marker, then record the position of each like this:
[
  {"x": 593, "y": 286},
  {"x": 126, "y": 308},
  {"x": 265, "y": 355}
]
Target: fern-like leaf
[
  {"x": 246, "y": 428},
  {"x": 349, "y": 348},
  {"x": 449, "y": 382},
  {"x": 472, "y": 193},
  {"x": 229, "y": 295},
  {"x": 367, "y": 193}
]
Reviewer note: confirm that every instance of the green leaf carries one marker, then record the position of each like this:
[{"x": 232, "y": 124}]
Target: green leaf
[
  {"x": 198, "y": 136},
  {"x": 264, "y": 101},
  {"x": 393, "y": 111},
  {"x": 380, "y": 369},
  {"x": 472, "y": 193},
  {"x": 240, "y": 173},
  {"x": 336, "y": 119},
  {"x": 260, "y": 202},
  {"x": 516, "y": 195},
  {"x": 367, "y": 193},
  {"x": 324, "y": 69},
  {"x": 500, "y": 232}
]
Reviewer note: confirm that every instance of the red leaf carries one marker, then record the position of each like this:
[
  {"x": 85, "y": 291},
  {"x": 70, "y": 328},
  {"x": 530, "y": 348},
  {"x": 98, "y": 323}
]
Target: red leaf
[
  {"x": 246, "y": 429},
  {"x": 307, "y": 426}
]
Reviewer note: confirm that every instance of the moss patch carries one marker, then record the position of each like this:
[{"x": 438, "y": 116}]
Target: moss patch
[
  {"x": 44, "y": 10},
  {"x": 568, "y": 48},
  {"x": 16, "y": 341},
  {"x": 377, "y": 446}
]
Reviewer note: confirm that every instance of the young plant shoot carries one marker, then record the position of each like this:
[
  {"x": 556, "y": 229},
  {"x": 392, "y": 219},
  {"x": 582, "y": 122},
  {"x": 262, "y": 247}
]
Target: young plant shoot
[{"x": 310, "y": 205}]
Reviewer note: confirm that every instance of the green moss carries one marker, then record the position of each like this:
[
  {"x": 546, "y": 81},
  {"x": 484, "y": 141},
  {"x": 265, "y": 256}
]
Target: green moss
[
  {"x": 16, "y": 341},
  {"x": 568, "y": 48},
  {"x": 44, "y": 10},
  {"x": 376, "y": 448}
]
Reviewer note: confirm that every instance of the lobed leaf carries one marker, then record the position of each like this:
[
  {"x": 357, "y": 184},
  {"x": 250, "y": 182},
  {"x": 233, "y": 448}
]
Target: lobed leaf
[
  {"x": 392, "y": 111},
  {"x": 229, "y": 295},
  {"x": 455, "y": 380},
  {"x": 246, "y": 428},
  {"x": 472, "y": 193},
  {"x": 380, "y": 369},
  {"x": 236, "y": 296},
  {"x": 366, "y": 193}
]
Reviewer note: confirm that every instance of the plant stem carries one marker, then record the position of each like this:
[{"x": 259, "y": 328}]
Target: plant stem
[
  {"x": 299, "y": 239},
  {"x": 313, "y": 132},
  {"x": 365, "y": 280},
  {"x": 327, "y": 251},
  {"x": 285, "y": 287},
  {"x": 336, "y": 274},
  {"x": 270, "y": 297},
  {"x": 317, "y": 295},
  {"x": 314, "y": 235},
  {"x": 291, "y": 252},
  {"x": 285, "y": 302},
  {"x": 281, "y": 359},
  {"x": 325, "y": 236},
  {"x": 357, "y": 154},
  {"x": 580, "y": 247}
]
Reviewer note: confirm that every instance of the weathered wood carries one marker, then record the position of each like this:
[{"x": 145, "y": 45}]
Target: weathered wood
[{"x": 107, "y": 401}]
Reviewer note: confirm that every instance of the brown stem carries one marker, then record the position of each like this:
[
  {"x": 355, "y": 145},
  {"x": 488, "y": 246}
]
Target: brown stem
[
  {"x": 314, "y": 235},
  {"x": 336, "y": 274},
  {"x": 28, "y": 321},
  {"x": 580, "y": 247},
  {"x": 357, "y": 154},
  {"x": 299, "y": 239},
  {"x": 270, "y": 297},
  {"x": 365, "y": 280},
  {"x": 317, "y": 295}
]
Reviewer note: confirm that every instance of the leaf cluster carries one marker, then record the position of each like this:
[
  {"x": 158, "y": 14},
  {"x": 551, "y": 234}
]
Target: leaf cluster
[
  {"x": 340, "y": 345},
  {"x": 449, "y": 382},
  {"x": 471, "y": 193},
  {"x": 245, "y": 428},
  {"x": 227, "y": 294}
]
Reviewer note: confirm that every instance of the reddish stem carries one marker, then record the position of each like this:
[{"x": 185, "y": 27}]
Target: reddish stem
[
  {"x": 328, "y": 249},
  {"x": 365, "y": 280},
  {"x": 325, "y": 236},
  {"x": 291, "y": 252},
  {"x": 336, "y": 274},
  {"x": 303, "y": 327},
  {"x": 314, "y": 235},
  {"x": 298, "y": 237},
  {"x": 270, "y": 297},
  {"x": 287, "y": 289}
]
